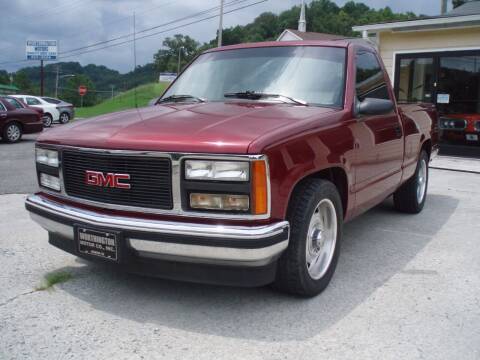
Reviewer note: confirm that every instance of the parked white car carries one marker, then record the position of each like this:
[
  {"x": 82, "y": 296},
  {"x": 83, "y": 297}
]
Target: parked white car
[{"x": 54, "y": 110}]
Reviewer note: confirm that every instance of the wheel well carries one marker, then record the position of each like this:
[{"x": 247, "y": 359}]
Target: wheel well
[
  {"x": 47, "y": 113},
  {"x": 13, "y": 122},
  {"x": 427, "y": 146},
  {"x": 338, "y": 177}
]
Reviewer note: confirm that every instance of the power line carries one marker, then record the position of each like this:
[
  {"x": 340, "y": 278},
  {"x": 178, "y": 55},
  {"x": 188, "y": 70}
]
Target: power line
[
  {"x": 77, "y": 2},
  {"x": 58, "y": 9},
  {"x": 164, "y": 31},
  {"x": 233, "y": 2},
  {"x": 150, "y": 35},
  {"x": 162, "y": 5}
]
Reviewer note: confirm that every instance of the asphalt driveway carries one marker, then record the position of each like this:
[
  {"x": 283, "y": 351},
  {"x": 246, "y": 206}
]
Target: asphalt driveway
[
  {"x": 17, "y": 166},
  {"x": 407, "y": 287}
]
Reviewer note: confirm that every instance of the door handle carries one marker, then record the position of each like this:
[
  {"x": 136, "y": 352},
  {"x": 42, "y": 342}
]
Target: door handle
[{"x": 3, "y": 116}]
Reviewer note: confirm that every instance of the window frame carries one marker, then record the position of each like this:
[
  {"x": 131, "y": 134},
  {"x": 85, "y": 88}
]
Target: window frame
[{"x": 360, "y": 51}]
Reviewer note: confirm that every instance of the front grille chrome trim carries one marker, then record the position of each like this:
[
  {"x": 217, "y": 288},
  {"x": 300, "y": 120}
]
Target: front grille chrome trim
[
  {"x": 176, "y": 160},
  {"x": 151, "y": 177}
]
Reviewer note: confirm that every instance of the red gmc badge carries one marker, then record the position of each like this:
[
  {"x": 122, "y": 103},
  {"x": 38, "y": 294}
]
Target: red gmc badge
[{"x": 111, "y": 180}]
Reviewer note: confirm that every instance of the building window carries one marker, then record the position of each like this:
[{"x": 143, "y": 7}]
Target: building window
[{"x": 416, "y": 80}]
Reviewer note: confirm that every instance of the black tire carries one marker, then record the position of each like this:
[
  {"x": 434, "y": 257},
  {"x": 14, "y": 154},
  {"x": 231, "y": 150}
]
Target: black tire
[
  {"x": 12, "y": 133},
  {"x": 407, "y": 199},
  {"x": 293, "y": 274},
  {"x": 64, "y": 118},
  {"x": 47, "y": 120}
]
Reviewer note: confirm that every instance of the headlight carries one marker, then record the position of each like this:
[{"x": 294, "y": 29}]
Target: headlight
[
  {"x": 47, "y": 157},
  {"x": 217, "y": 170},
  {"x": 49, "y": 181}
]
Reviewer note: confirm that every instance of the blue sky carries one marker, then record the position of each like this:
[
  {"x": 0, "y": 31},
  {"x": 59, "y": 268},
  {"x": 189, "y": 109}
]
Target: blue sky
[{"x": 77, "y": 23}]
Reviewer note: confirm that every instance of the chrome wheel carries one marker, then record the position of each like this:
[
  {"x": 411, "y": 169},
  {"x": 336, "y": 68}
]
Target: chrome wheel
[
  {"x": 47, "y": 121},
  {"x": 64, "y": 118},
  {"x": 321, "y": 239},
  {"x": 422, "y": 178},
  {"x": 13, "y": 133}
]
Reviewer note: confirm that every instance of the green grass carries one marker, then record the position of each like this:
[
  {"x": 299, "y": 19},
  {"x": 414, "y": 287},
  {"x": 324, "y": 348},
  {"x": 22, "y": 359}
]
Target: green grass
[
  {"x": 123, "y": 101},
  {"x": 53, "y": 278}
]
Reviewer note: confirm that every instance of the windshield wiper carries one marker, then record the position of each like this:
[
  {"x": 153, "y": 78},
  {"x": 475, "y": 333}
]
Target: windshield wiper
[
  {"x": 253, "y": 95},
  {"x": 180, "y": 98}
]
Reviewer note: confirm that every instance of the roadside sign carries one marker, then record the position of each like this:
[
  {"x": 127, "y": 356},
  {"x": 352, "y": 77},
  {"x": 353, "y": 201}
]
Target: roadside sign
[
  {"x": 167, "y": 77},
  {"x": 82, "y": 90},
  {"x": 42, "y": 50}
]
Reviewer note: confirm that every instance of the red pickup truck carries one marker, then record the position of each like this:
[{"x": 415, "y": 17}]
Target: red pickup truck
[{"x": 244, "y": 171}]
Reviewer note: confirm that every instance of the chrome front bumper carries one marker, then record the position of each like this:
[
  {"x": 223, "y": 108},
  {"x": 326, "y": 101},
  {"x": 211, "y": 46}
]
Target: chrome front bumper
[{"x": 173, "y": 241}]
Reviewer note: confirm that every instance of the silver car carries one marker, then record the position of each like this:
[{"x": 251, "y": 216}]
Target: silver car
[{"x": 66, "y": 110}]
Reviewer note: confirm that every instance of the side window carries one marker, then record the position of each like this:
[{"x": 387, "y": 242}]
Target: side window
[
  {"x": 32, "y": 101},
  {"x": 371, "y": 81},
  {"x": 14, "y": 102},
  {"x": 2, "y": 107}
]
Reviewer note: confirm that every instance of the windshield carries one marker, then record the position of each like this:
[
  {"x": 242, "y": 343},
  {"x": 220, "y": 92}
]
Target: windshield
[{"x": 312, "y": 74}]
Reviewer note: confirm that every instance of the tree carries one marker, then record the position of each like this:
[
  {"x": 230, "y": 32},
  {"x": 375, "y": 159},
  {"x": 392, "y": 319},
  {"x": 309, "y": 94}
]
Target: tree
[
  {"x": 4, "y": 78},
  {"x": 70, "y": 93},
  {"x": 22, "y": 81},
  {"x": 166, "y": 60},
  {"x": 457, "y": 3}
]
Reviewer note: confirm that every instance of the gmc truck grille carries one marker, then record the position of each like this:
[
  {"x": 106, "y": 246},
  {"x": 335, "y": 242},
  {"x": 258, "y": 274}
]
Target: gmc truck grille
[{"x": 150, "y": 179}]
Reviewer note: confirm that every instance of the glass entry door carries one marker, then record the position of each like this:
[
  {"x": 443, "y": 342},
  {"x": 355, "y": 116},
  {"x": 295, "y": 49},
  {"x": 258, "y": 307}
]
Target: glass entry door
[
  {"x": 459, "y": 80},
  {"x": 415, "y": 79}
]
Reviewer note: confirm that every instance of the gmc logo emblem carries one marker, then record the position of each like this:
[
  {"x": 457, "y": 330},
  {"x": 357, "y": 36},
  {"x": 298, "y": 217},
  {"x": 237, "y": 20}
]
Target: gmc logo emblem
[{"x": 97, "y": 178}]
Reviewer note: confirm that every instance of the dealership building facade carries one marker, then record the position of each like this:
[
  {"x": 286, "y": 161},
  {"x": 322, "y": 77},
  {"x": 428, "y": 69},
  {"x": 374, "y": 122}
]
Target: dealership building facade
[{"x": 436, "y": 60}]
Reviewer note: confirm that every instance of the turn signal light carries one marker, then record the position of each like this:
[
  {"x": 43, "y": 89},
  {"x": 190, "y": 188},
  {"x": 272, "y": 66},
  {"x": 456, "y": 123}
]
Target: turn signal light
[{"x": 259, "y": 188}]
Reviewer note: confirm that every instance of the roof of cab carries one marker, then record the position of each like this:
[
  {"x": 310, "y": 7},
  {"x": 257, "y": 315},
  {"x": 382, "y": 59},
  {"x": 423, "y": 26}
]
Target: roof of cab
[{"x": 344, "y": 43}]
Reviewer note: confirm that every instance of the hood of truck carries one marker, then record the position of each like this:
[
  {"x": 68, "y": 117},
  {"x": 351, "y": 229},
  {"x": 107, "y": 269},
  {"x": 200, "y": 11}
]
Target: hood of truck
[{"x": 218, "y": 127}]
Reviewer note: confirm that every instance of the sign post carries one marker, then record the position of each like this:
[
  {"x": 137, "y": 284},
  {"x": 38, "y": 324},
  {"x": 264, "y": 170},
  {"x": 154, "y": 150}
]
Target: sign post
[
  {"x": 43, "y": 50},
  {"x": 82, "y": 91}
]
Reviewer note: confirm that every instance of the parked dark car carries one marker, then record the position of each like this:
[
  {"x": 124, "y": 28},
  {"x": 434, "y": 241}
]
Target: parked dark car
[{"x": 14, "y": 121}]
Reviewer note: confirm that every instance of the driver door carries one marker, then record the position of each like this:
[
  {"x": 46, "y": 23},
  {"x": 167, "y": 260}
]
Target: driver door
[{"x": 379, "y": 139}]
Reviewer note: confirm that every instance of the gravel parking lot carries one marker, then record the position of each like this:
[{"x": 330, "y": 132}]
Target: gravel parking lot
[{"x": 406, "y": 287}]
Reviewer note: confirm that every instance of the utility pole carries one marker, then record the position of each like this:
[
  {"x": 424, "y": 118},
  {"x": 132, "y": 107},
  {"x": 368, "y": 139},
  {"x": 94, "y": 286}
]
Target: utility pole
[
  {"x": 112, "y": 86},
  {"x": 444, "y": 7},
  {"x": 41, "y": 77},
  {"x": 56, "y": 81},
  {"x": 135, "y": 55},
  {"x": 220, "y": 25}
]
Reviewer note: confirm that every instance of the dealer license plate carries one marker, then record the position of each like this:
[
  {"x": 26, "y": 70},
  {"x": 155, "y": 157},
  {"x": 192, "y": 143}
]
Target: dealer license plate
[
  {"x": 472, "y": 137},
  {"x": 102, "y": 244}
]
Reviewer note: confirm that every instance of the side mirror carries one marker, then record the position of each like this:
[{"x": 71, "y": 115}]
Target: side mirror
[{"x": 370, "y": 106}]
